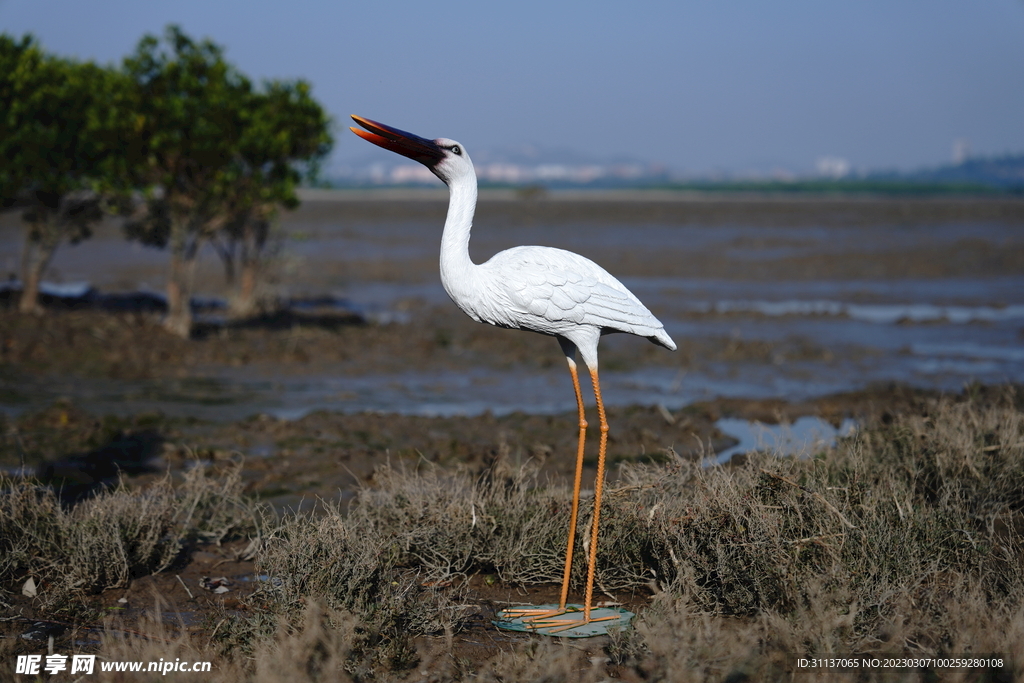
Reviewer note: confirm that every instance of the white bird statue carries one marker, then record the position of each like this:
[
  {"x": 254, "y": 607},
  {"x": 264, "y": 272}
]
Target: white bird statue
[{"x": 542, "y": 289}]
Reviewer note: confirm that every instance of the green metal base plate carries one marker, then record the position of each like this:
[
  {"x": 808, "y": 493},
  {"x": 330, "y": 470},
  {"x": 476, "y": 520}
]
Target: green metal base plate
[{"x": 620, "y": 621}]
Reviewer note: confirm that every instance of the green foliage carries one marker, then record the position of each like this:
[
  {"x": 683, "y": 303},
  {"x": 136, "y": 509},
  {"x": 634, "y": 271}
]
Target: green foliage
[
  {"x": 62, "y": 131},
  {"x": 63, "y": 123},
  {"x": 286, "y": 135},
  {"x": 16, "y": 57},
  {"x": 189, "y": 106},
  {"x": 286, "y": 132},
  {"x": 209, "y": 152},
  {"x": 208, "y": 146}
]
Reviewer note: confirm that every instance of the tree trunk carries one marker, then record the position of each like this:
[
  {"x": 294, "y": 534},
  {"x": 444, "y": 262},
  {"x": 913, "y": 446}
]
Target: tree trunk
[
  {"x": 243, "y": 304},
  {"x": 251, "y": 258},
  {"x": 179, "y": 282},
  {"x": 226, "y": 249},
  {"x": 30, "y": 277},
  {"x": 34, "y": 260}
]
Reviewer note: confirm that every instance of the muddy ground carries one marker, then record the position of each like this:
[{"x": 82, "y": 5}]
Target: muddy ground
[
  {"x": 326, "y": 454},
  {"x": 290, "y": 464}
]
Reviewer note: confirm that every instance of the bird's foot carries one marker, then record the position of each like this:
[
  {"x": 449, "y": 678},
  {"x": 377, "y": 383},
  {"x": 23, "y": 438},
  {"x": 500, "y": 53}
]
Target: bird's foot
[
  {"x": 562, "y": 618},
  {"x": 534, "y": 618},
  {"x": 554, "y": 624},
  {"x": 571, "y": 621}
]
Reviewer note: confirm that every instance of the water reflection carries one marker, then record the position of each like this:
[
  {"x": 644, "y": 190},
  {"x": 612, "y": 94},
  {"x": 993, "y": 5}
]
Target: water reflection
[{"x": 803, "y": 438}]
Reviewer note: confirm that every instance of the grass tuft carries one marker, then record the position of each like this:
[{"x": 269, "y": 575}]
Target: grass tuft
[
  {"x": 903, "y": 539},
  {"x": 105, "y": 541}
]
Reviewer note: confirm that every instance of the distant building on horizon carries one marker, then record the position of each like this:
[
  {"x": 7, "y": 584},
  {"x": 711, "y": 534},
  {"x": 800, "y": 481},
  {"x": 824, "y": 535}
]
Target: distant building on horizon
[
  {"x": 832, "y": 167},
  {"x": 961, "y": 150}
]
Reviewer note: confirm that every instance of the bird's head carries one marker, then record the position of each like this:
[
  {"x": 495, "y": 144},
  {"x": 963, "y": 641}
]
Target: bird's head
[{"x": 447, "y": 159}]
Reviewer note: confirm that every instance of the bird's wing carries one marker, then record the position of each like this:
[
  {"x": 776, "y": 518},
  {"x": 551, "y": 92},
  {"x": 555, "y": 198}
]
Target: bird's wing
[{"x": 549, "y": 288}]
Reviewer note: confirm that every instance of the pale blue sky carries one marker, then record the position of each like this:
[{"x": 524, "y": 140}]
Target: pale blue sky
[{"x": 730, "y": 85}]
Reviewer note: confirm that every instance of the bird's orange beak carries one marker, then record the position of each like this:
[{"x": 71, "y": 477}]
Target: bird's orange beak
[{"x": 408, "y": 145}]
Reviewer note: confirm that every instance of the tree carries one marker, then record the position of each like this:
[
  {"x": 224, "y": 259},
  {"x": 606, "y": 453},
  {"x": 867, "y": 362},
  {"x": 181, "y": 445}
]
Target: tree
[
  {"x": 191, "y": 108},
  {"x": 286, "y": 134},
  {"x": 16, "y": 56},
  {"x": 62, "y": 127}
]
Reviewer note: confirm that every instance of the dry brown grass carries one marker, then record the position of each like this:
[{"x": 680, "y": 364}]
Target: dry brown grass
[
  {"x": 903, "y": 539},
  {"x": 105, "y": 541}
]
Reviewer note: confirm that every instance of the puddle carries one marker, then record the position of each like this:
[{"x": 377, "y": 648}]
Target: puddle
[{"x": 802, "y": 438}]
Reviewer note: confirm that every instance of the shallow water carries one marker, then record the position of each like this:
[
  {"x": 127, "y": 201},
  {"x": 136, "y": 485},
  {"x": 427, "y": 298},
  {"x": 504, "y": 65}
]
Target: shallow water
[
  {"x": 804, "y": 437},
  {"x": 929, "y": 303}
]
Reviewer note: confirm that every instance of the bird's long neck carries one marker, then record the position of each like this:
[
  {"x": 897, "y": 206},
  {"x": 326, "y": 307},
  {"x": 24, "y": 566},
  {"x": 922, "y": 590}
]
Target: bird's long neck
[{"x": 456, "y": 266}]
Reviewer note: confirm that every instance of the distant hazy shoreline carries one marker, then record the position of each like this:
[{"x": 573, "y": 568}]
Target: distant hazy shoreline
[{"x": 363, "y": 194}]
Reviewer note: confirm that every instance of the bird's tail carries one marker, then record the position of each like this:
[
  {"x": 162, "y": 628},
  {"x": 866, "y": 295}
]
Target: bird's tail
[{"x": 662, "y": 339}]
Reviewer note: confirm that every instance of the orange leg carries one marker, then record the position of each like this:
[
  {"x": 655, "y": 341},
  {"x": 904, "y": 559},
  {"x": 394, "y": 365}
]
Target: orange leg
[
  {"x": 575, "y": 488},
  {"x": 545, "y": 621},
  {"x": 570, "y": 543},
  {"x": 598, "y": 488}
]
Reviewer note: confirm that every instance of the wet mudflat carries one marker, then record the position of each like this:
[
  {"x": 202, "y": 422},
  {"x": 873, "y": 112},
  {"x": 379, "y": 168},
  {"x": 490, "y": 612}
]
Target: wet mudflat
[
  {"x": 837, "y": 309},
  {"x": 767, "y": 298},
  {"x": 772, "y": 301}
]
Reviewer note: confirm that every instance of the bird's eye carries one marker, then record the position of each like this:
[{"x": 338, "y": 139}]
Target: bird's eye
[{"x": 456, "y": 150}]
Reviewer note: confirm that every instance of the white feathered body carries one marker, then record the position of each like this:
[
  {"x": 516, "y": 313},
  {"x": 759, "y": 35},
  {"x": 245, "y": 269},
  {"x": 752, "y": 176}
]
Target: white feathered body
[
  {"x": 555, "y": 292},
  {"x": 542, "y": 289}
]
